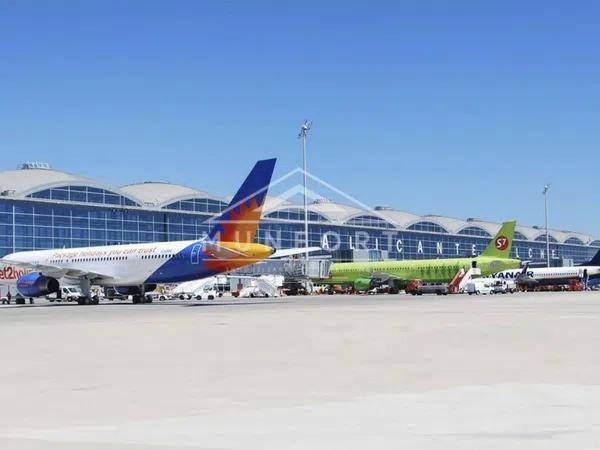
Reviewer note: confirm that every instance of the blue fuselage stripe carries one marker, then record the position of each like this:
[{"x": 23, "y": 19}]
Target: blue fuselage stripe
[{"x": 186, "y": 265}]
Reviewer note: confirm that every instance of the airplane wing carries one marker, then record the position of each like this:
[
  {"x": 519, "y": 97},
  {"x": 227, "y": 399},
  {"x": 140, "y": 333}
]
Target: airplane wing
[
  {"x": 383, "y": 277},
  {"x": 293, "y": 251},
  {"x": 58, "y": 272},
  {"x": 35, "y": 267},
  {"x": 92, "y": 276}
]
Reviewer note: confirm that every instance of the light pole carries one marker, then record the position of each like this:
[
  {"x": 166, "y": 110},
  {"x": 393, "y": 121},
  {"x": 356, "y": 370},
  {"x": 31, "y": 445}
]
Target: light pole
[
  {"x": 302, "y": 135},
  {"x": 545, "y": 192}
]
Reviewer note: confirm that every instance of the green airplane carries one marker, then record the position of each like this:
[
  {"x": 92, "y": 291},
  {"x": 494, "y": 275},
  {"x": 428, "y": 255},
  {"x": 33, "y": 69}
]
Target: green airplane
[{"x": 363, "y": 275}]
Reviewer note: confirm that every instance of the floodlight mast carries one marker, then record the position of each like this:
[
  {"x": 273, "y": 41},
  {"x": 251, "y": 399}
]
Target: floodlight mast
[
  {"x": 303, "y": 134},
  {"x": 545, "y": 192}
]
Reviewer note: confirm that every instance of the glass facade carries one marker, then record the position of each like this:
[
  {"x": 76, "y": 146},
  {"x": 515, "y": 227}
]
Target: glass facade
[
  {"x": 427, "y": 226},
  {"x": 295, "y": 214},
  {"x": 31, "y": 225},
  {"x": 474, "y": 231},
  {"x": 44, "y": 223},
  {"x": 542, "y": 238},
  {"x": 574, "y": 241},
  {"x": 407, "y": 244},
  {"x": 84, "y": 194},
  {"x": 204, "y": 205},
  {"x": 369, "y": 221}
]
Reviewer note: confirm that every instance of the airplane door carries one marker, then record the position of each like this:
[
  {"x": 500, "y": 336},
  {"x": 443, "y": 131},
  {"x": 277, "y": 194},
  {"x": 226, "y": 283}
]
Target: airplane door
[{"x": 195, "y": 254}]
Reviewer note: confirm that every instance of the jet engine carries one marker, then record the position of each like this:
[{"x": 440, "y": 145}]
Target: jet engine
[
  {"x": 362, "y": 284},
  {"x": 36, "y": 285}
]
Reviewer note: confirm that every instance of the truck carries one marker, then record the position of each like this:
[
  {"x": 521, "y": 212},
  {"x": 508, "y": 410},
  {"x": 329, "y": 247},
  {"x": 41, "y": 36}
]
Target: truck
[{"x": 417, "y": 287}]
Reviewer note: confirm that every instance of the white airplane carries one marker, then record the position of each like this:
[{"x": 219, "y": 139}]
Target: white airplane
[
  {"x": 549, "y": 276},
  {"x": 137, "y": 268}
]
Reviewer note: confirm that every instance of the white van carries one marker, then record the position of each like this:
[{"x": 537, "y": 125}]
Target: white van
[
  {"x": 207, "y": 291},
  {"x": 504, "y": 287},
  {"x": 68, "y": 294},
  {"x": 479, "y": 287}
]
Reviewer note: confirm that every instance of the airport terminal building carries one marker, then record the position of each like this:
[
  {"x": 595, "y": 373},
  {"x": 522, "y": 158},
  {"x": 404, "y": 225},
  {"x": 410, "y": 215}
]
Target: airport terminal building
[{"x": 41, "y": 208}]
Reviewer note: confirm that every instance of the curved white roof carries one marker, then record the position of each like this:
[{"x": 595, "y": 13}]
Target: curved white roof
[
  {"x": 399, "y": 218},
  {"x": 276, "y": 203},
  {"x": 159, "y": 193},
  {"x": 22, "y": 182},
  {"x": 335, "y": 212},
  {"x": 338, "y": 214},
  {"x": 26, "y": 181}
]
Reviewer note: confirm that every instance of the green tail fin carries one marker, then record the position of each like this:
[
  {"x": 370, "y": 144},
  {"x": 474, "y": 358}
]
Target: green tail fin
[{"x": 501, "y": 244}]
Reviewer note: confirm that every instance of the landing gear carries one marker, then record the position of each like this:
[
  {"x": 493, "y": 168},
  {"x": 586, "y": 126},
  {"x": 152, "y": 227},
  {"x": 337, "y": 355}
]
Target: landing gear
[
  {"x": 141, "y": 299},
  {"x": 88, "y": 300}
]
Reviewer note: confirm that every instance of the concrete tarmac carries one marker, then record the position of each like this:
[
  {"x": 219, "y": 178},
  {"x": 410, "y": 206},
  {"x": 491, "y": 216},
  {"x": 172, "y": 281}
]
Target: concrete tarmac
[{"x": 515, "y": 371}]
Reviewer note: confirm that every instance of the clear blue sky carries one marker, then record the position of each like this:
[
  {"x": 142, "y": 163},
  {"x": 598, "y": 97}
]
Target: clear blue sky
[{"x": 461, "y": 108}]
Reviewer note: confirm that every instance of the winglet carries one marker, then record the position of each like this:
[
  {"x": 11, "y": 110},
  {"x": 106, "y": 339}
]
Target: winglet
[{"x": 501, "y": 244}]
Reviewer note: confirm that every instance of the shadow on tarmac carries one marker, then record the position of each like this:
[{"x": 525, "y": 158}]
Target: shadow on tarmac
[
  {"x": 263, "y": 302},
  {"x": 187, "y": 305}
]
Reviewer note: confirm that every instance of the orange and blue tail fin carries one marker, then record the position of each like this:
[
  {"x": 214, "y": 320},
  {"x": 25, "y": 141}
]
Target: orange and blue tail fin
[{"x": 239, "y": 222}]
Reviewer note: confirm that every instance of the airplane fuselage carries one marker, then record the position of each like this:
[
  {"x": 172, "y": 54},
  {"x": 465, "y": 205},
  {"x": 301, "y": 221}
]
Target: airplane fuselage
[
  {"x": 430, "y": 270},
  {"x": 548, "y": 276},
  {"x": 136, "y": 264}
]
